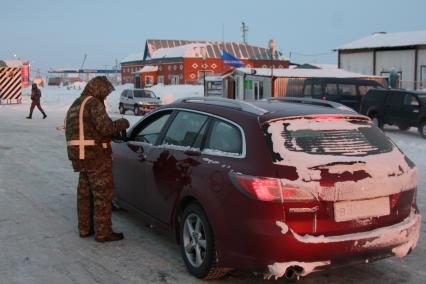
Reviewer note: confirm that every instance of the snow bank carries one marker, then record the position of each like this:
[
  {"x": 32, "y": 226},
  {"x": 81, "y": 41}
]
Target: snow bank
[{"x": 278, "y": 269}]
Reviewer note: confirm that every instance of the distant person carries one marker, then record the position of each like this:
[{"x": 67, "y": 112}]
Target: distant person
[
  {"x": 35, "y": 98},
  {"x": 88, "y": 131},
  {"x": 393, "y": 79}
]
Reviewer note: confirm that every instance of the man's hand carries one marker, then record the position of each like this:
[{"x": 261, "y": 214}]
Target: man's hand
[{"x": 122, "y": 123}]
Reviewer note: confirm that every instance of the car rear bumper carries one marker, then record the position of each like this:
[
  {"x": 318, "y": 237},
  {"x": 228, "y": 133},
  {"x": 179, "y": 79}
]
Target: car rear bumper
[
  {"x": 396, "y": 240},
  {"x": 275, "y": 249},
  {"x": 147, "y": 108}
]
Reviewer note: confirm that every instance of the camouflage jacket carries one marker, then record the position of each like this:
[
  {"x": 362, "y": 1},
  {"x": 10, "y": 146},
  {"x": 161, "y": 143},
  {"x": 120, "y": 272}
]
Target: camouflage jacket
[{"x": 89, "y": 146}]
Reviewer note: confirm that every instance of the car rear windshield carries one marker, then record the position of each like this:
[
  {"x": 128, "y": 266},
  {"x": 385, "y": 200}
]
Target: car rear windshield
[
  {"x": 325, "y": 136},
  {"x": 142, "y": 94}
]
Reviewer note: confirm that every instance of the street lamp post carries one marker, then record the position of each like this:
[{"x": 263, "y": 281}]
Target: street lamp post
[
  {"x": 272, "y": 46},
  {"x": 203, "y": 51}
]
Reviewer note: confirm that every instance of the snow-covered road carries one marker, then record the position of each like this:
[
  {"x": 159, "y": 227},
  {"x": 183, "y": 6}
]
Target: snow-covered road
[{"x": 38, "y": 236}]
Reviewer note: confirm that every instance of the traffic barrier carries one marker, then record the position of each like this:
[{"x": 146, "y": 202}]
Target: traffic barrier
[{"x": 10, "y": 84}]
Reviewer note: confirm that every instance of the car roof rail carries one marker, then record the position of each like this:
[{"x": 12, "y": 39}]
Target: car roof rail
[
  {"x": 310, "y": 101},
  {"x": 302, "y": 101},
  {"x": 230, "y": 103}
]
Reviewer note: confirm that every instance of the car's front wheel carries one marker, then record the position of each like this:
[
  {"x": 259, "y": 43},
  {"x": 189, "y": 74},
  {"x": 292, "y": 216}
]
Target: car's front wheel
[
  {"x": 197, "y": 244},
  {"x": 422, "y": 129}
]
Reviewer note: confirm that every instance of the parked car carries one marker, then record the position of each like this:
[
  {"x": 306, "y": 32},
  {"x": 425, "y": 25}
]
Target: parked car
[
  {"x": 269, "y": 186},
  {"x": 140, "y": 101},
  {"x": 346, "y": 91},
  {"x": 396, "y": 107}
]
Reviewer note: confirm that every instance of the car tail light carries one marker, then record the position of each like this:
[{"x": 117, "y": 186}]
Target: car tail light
[{"x": 270, "y": 189}]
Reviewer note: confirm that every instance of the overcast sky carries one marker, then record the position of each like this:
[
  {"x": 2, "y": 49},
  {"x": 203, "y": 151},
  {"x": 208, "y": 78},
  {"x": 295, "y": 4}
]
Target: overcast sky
[{"x": 58, "y": 33}]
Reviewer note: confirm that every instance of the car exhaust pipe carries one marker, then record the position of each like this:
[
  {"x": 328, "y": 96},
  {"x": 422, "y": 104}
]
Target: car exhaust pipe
[{"x": 293, "y": 273}]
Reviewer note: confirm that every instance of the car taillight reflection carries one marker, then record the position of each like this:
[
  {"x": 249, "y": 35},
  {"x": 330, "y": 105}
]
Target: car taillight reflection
[{"x": 270, "y": 189}]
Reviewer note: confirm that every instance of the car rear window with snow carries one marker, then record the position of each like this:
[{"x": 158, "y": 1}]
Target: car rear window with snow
[{"x": 337, "y": 136}]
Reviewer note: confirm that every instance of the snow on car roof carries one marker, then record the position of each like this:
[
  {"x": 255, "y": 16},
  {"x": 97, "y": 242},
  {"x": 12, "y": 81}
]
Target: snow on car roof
[{"x": 378, "y": 40}]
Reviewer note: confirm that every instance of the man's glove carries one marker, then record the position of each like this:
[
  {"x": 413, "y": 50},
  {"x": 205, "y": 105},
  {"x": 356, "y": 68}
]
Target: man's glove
[{"x": 122, "y": 123}]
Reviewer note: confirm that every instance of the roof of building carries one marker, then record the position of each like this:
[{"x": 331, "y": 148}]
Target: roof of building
[
  {"x": 188, "y": 50},
  {"x": 303, "y": 73},
  {"x": 14, "y": 63},
  {"x": 134, "y": 57},
  {"x": 159, "y": 48},
  {"x": 387, "y": 40}
]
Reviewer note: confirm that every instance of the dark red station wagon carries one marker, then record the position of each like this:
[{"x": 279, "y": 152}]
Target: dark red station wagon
[{"x": 277, "y": 187}]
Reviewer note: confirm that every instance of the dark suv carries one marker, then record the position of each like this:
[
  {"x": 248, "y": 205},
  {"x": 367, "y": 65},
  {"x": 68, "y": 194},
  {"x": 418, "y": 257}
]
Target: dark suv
[
  {"x": 282, "y": 188},
  {"x": 396, "y": 107},
  {"x": 346, "y": 91}
]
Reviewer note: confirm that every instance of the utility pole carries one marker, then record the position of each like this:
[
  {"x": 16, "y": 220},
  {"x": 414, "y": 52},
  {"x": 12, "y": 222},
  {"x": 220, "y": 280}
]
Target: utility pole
[{"x": 244, "y": 29}]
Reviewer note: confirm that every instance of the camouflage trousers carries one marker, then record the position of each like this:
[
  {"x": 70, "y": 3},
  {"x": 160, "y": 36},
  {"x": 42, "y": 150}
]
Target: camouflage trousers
[{"x": 94, "y": 196}]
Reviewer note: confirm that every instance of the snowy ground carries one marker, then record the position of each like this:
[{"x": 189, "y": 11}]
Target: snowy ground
[{"x": 38, "y": 236}]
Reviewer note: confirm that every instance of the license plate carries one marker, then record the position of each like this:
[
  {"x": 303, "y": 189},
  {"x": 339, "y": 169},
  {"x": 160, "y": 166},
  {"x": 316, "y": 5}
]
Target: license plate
[{"x": 352, "y": 210}]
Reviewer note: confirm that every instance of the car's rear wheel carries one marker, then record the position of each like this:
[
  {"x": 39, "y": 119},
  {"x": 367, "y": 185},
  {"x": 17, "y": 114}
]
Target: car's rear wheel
[
  {"x": 121, "y": 109},
  {"x": 422, "y": 129},
  {"x": 376, "y": 120},
  {"x": 197, "y": 244},
  {"x": 404, "y": 127},
  {"x": 136, "y": 110}
]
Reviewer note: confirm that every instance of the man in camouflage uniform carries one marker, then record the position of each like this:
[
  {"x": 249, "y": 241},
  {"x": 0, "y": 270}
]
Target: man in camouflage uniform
[{"x": 88, "y": 131}]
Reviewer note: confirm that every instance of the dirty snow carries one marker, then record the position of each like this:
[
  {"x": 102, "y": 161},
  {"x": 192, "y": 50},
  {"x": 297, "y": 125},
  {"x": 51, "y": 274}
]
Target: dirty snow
[
  {"x": 278, "y": 269},
  {"x": 283, "y": 226}
]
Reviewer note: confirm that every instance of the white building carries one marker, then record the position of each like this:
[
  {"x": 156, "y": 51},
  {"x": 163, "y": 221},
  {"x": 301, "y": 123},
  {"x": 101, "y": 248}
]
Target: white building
[{"x": 379, "y": 53}]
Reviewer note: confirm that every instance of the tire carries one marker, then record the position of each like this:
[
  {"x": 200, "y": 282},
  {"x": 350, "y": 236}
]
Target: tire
[
  {"x": 136, "y": 110},
  {"x": 376, "y": 120},
  {"x": 422, "y": 129},
  {"x": 197, "y": 244},
  {"x": 121, "y": 109},
  {"x": 404, "y": 127}
]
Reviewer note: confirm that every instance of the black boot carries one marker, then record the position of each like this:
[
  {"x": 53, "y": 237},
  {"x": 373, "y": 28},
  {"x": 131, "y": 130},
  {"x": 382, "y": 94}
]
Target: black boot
[
  {"x": 111, "y": 238},
  {"x": 29, "y": 117},
  {"x": 44, "y": 115}
]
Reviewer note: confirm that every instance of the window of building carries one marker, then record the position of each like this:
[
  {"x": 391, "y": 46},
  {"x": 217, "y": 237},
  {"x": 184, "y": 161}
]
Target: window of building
[{"x": 160, "y": 79}]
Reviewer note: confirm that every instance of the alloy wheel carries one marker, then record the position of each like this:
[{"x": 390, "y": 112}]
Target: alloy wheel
[{"x": 194, "y": 240}]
